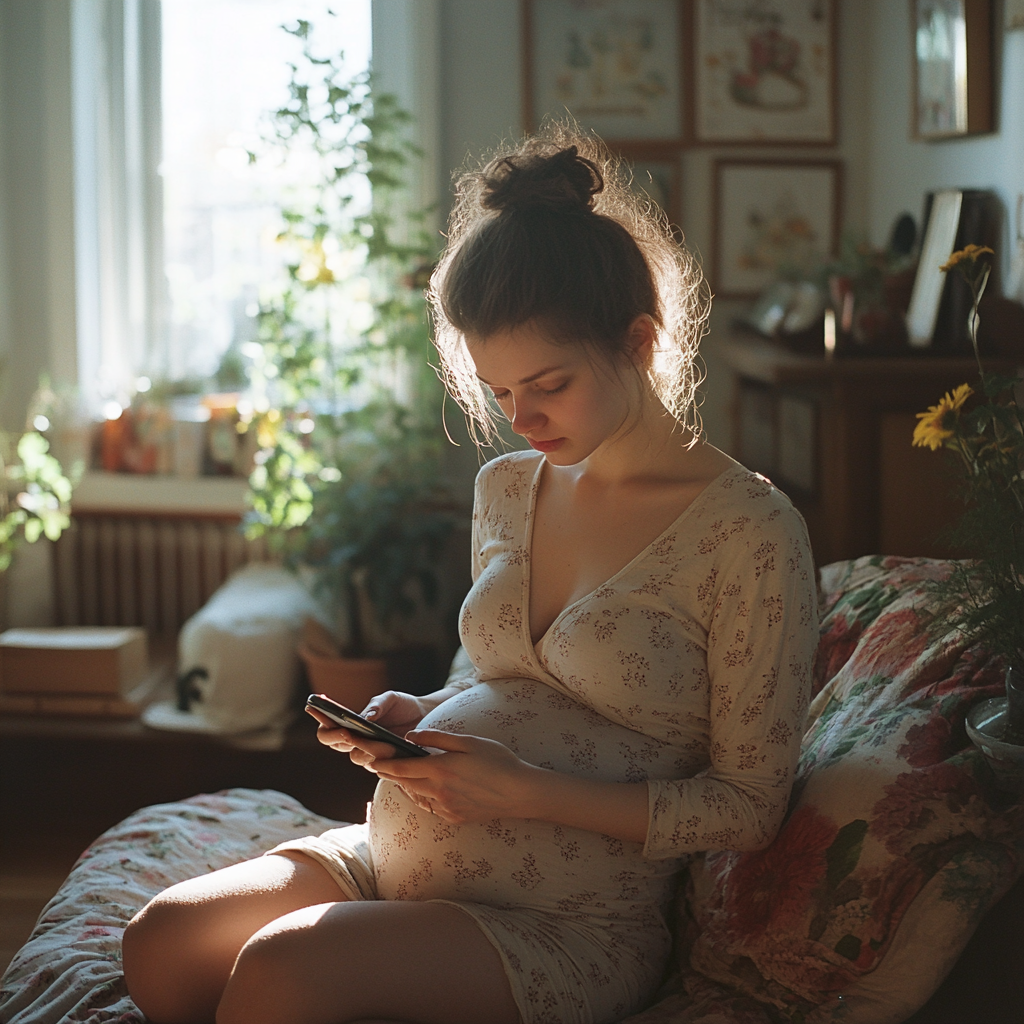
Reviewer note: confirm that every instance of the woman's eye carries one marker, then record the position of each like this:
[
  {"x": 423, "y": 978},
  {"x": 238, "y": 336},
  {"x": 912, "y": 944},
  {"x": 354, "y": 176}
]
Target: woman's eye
[
  {"x": 499, "y": 396},
  {"x": 558, "y": 390}
]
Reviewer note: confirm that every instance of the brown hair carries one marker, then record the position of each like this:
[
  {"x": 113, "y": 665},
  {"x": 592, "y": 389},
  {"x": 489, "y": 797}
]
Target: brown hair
[{"x": 552, "y": 233}]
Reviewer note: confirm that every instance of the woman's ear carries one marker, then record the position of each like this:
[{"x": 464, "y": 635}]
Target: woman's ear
[{"x": 641, "y": 338}]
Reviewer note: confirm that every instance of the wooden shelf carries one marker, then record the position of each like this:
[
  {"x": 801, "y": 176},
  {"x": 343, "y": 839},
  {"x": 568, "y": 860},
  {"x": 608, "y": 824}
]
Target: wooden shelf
[{"x": 835, "y": 434}]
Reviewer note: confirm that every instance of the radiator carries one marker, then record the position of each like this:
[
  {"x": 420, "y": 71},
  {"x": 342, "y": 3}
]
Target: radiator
[{"x": 145, "y": 569}]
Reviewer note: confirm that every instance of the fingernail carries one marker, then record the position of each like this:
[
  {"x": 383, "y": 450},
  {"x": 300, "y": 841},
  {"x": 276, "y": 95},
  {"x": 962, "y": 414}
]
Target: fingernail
[{"x": 369, "y": 713}]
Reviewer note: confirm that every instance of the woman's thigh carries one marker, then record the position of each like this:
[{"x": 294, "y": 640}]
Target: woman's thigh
[
  {"x": 179, "y": 950},
  {"x": 417, "y": 963}
]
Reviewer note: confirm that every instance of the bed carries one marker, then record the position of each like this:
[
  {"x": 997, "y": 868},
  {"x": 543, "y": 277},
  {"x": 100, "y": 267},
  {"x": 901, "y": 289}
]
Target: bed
[{"x": 896, "y": 844}]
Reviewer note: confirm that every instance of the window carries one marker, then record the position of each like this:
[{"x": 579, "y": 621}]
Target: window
[
  {"x": 174, "y": 229},
  {"x": 220, "y": 211}
]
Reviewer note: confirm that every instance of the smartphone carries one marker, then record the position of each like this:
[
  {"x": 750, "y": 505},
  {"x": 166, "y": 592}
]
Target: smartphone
[{"x": 363, "y": 727}]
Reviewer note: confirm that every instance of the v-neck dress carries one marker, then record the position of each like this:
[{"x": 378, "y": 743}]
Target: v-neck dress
[{"x": 688, "y": 670}]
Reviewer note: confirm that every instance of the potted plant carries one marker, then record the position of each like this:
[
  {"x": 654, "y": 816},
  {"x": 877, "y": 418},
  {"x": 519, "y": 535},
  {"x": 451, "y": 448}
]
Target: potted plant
[
  {"x": 985, "y": 597},
  {"x": 348, "y": 410},
  {"x": 41, "y": 505}
]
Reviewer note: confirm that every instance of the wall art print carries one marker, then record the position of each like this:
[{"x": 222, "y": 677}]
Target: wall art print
[
  {"x": 772, "y": 218},
  {"x": 763, "y": 71},
  {"x": 952, "y": 68},
  {"x": 614, "y": 65}
]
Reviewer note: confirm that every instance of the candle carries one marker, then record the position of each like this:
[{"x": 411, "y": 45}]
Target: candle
[{"x": 830, "y": 333}]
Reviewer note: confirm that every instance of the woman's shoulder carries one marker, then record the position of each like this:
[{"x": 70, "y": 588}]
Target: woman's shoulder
[
  {"x": 510, "y": 472},
  {"x": 741, "y": 508}
]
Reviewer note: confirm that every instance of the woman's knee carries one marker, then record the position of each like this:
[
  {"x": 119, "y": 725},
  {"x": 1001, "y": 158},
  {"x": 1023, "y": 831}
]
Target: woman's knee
[
  {"x": 153, "y": 950},
  {"x": 262, "y": 987}
]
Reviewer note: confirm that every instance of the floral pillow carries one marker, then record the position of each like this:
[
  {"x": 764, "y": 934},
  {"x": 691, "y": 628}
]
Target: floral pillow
[{"x": 897, "y": 841}]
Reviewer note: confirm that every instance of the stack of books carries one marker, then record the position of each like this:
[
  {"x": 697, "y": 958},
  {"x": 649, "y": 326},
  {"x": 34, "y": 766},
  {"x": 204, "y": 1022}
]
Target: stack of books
[{"x": 95, "y": 671}]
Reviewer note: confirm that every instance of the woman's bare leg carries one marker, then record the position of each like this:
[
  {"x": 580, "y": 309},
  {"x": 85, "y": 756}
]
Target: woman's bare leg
[
  {"x": 415, "y": 963},
  {"x": 178, "y": 951}
]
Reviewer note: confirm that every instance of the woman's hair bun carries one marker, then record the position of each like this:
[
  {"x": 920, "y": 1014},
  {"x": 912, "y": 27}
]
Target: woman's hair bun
[{"x": 554, "y": 180}]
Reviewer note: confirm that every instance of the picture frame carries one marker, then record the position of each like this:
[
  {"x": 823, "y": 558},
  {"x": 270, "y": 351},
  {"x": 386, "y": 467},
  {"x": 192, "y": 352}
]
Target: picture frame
[
  {"x": 657, "y": 174},
  {"x": 929, "y": 281},
  {"x": 616, "y": 66},
  {"x": 762, "y": 74},
  {"x": 951, "y": 43},
  {"x": 770, "y": 216}
]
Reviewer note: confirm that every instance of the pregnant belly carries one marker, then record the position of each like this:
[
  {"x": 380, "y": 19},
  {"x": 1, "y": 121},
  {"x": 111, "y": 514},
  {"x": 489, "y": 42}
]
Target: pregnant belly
[{"x": 525, "y": 862}]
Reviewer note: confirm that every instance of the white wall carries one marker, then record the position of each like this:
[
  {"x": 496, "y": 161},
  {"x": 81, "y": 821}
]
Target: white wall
[
  {"x": 481, "y": 78},
  {"x": 901, "y": 169}
]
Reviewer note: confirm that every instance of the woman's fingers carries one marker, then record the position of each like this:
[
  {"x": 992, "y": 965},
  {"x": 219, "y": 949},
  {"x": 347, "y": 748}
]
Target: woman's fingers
[
  {"x": 398, "y": 712},
  {"x": 469, "y": 779},
  {"x": 362, "y": 751},
  {"x": 449, "y": 741}
]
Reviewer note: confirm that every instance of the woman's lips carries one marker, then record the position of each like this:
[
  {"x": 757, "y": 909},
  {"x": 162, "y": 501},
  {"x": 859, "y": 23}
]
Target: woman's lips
[{"x": 547, "y": 446}]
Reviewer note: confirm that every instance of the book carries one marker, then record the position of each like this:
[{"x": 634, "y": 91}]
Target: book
[
  {"x": 67, "y": 705},
  {"x": 87, "y": 661}
]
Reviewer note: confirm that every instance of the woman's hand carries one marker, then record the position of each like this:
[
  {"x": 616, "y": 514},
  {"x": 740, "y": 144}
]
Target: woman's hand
[
  {"x": 398, "y": 712},
  {"x": 471, "y": 779}
]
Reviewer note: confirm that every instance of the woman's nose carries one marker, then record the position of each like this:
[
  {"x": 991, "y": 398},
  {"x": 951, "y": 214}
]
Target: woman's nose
[{"x": 525, "y": 416}]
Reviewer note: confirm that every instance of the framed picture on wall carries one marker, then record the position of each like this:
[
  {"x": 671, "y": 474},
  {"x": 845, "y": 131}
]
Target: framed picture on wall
[
  {"x": 656, "y": 174},
  {"x": 614, "y": 65},
  {"x": 930, "y": 280},
  {"x": 763, "y": 73},
  {"x": 772, "y": 216},
  {"x": 952, "y": 42}
]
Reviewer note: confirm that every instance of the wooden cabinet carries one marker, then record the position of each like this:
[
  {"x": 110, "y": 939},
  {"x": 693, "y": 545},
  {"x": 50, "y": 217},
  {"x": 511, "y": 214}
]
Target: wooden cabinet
[{"x": 835, "y": 435}]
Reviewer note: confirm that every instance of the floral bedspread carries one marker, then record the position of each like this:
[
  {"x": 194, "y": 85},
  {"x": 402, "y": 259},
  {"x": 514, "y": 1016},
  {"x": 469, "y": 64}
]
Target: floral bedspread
[
  {"x": 70, "y": 969},
  {"x": 896, "y": 844}
]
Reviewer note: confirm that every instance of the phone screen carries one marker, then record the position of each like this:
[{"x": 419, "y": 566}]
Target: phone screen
[{"x": 348, "y": 719}]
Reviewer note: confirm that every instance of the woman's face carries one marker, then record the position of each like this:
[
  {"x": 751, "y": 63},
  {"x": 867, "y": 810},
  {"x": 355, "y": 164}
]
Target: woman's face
[{"x": 565, "y": 401}]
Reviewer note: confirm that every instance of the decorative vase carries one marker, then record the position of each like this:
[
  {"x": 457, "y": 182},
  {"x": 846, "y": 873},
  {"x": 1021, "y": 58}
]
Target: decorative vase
[
  {"x": 996, "y": 727},
  {"x": 1013, "y": 728},
  {"x": 349, "y": 681}
]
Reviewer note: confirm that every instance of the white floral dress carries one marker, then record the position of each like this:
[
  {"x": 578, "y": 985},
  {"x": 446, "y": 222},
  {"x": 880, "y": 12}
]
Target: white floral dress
[{"x": 688, "y": 669}]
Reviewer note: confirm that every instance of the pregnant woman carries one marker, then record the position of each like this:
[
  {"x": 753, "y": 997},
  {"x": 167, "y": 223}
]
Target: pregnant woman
[{"x": 632, "y": 689}]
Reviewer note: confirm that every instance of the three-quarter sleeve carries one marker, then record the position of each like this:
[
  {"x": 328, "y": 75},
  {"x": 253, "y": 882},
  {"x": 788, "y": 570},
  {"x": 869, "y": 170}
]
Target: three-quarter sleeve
[{"x": 762, "y": 631}]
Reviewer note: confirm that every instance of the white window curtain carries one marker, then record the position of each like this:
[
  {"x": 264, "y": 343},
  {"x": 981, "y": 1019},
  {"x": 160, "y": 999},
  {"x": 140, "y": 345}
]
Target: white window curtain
[{"x": 120, "y": 280}]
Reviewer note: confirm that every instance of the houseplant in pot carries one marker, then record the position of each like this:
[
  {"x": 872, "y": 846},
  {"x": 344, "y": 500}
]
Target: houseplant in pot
[
  {"x": 347, "y": 409},
  {"x": 985, "y": 597}
]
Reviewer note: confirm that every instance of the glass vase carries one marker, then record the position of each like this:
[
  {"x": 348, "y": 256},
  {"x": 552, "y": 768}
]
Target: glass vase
[
  {"x": 996, "y": 727},
  {"x": 1013, "y": 726}
]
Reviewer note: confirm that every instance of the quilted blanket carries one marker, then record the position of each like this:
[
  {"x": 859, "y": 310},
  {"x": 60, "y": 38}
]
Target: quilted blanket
[{"x": 70, "y": 969}]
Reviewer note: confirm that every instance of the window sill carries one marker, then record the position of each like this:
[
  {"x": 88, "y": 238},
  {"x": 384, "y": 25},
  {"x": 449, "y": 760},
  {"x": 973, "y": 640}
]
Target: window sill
[{"x": 160, "y": 495}]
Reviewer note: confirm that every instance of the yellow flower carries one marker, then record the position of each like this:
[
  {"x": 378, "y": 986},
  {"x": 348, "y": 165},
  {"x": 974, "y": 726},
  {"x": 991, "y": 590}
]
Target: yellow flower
[
  {"x": 970, "y": 254},
  {"x": 936, "y": 424}
]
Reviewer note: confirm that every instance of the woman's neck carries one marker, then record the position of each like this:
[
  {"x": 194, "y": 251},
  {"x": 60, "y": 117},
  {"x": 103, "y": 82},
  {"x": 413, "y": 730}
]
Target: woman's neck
[{"x": 652, "y": 448}]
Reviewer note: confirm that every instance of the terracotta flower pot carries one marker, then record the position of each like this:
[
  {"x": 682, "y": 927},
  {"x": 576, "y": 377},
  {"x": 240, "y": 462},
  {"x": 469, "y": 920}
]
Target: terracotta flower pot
[{"x": 349, "y": 681}]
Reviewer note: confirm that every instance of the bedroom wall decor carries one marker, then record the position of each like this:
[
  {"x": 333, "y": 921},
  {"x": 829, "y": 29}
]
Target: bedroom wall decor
[
  {"x": 615, "y": 65},
  {"x": 656, "y": 172},
  {"x": 929, "y": 282},
  {"x": 952, "y": 68},
  {"x": 772, "y": 217},
  {"x": 763, "y": 73}
]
